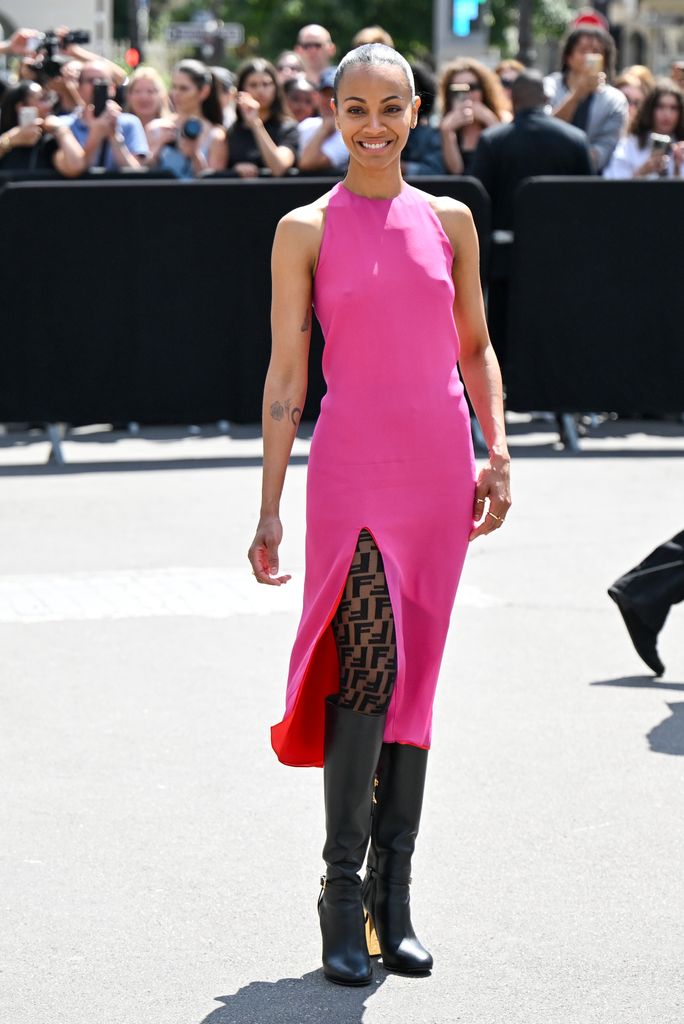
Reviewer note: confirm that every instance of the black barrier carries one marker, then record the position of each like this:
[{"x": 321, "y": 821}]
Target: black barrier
[
  {"x": 595, "y": 321},
  {"x": 149, "y": 301}
]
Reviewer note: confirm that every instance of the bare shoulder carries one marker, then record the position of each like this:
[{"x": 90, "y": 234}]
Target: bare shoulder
[
  {"x": 455, "y": 217},
  {"x": 304, "y": 219},
  {"x": 301, "y": 230}
]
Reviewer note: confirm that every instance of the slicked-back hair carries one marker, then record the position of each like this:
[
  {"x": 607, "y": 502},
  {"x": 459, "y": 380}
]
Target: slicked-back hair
[{"x": 374, "y": 55}]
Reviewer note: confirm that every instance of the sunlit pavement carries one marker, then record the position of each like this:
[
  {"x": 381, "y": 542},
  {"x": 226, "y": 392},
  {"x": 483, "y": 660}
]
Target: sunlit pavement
[{"x": 158, "y": 866}]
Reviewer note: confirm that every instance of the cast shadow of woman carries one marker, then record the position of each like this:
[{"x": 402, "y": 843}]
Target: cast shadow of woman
[{"x": 310, "y": 998}]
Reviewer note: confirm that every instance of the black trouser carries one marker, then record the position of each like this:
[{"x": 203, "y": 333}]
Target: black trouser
[{"x": 655, "y": 584}]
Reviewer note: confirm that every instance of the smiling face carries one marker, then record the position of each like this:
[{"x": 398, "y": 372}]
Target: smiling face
[{"x": 375, "y": 112}]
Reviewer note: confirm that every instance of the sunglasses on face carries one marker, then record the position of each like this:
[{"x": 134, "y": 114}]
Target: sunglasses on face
[
  {"x": 506, "y": 82},
  {"x": 311, "y": 46}
]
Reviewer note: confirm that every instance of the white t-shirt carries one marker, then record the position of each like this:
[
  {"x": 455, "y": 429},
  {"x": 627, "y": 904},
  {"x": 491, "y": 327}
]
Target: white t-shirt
[
  {"x": 333, "y": 147},
  {"x": 629, "y": 156}
]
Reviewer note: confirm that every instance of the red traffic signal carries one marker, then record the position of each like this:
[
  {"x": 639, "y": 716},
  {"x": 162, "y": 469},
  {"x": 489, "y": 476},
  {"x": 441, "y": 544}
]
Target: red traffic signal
[{"x": 132, "y": 56}]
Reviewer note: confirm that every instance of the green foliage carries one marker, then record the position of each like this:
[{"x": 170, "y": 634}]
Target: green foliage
[
  {"x": 272, "y": 25},
  {"x": 550, "y": 18}
]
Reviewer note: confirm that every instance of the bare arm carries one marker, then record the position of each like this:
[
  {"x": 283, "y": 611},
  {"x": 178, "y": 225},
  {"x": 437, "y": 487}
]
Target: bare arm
[
  {"x": 279, "y": 159},
  {"x": 70, "y": 159},
  {"x": 312, "y": 157},
  {"x": 479, "y": 365},
  {"x": 217, "y": 158},
  {"x": 295, "y": 250}
]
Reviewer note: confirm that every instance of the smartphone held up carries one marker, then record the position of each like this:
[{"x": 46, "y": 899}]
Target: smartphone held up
[{"x": 458, "y": 92}]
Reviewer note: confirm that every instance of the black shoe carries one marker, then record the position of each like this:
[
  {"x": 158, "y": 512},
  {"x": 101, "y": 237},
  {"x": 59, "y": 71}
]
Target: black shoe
[
  {"x": 643, "y": 638},
  {"x": 352, "y": 748},
  {"x": 386, "y": 888}
]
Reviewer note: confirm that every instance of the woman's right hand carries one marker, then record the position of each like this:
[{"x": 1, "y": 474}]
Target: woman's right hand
[
  {"x": 167, "y": 133},
  {"x": 246, "y": 170},
  {"x": 656, "y": 164},
  {"x": 263, "y": 552},
  {"x": 28, "y": 135},
  {"x": 460, "y": 117}
]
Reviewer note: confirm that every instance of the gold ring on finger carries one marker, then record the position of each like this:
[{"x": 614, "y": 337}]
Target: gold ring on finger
[{"x": 499, "y": 519}]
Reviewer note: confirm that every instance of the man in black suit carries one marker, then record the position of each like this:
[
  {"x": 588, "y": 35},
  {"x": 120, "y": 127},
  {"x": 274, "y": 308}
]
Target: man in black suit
[{"x": 534, "y": 143}]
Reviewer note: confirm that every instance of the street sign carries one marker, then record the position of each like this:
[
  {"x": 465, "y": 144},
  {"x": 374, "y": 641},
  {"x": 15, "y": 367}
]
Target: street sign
[{"x": 194, "y": 34}]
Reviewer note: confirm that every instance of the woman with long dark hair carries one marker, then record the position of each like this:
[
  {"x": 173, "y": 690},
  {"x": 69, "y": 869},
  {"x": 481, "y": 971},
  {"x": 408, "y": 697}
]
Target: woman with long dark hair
[
  {"x": 192, "y": 139},
  {"x": 472, "y": 99},
  {"x": 264, "y": 136},
  {"x": 581, "y": 93},
  {"x": 38, "y": 140},
  {"x": 393, "y": 497},
  {"x": 639, "y": 155}
]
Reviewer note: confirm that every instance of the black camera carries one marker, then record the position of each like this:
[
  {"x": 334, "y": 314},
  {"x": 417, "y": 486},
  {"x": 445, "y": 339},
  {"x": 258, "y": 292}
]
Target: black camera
[
  {"x": 49, "y": 42},
  {"x": 192, "y": 129}
]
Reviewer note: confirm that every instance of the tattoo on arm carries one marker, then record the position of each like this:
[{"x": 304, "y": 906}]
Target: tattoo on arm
[
  {"x": 306, "y": 324},
  {"x": 295, "y": 414},
  {"x": 279, "y": 410}
]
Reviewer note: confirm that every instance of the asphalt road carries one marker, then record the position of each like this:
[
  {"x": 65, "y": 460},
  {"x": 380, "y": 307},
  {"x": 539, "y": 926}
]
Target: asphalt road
[{"x": 158, "y": 866}]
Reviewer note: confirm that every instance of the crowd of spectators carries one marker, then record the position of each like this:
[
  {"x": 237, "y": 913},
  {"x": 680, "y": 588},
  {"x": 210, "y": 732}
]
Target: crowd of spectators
[{"x": 72, "y": 111}]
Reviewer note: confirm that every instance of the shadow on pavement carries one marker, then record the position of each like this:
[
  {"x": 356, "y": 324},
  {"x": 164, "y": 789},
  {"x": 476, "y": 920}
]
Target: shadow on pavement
[
  {"x": 639, "y": 682},
  {"x": 668, "y": 736},
  {"x": 306, "y": 1000}
]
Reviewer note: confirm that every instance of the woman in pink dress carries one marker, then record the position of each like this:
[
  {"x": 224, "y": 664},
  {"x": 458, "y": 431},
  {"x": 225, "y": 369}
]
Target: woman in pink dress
[{"x": 392, "y": 497}]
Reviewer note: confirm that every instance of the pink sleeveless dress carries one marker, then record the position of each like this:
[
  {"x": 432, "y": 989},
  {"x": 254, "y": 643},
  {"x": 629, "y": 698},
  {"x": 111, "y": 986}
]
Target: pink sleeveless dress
[{"x": 391, "y": 452}]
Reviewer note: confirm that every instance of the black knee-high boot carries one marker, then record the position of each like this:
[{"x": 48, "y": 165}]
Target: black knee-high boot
[
  {"x": 352, "y": 747},
  {"x": 396, "y": 817}
]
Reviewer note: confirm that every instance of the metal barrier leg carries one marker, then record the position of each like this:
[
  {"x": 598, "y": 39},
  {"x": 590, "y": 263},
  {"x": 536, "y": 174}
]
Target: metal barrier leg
[
  {"x": 479, "y": 442},
  {"x": 56, "y": 433},
  {"x": 567, "y": 428}
]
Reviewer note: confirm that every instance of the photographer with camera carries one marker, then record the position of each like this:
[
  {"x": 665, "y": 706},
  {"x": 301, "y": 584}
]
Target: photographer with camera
[
  {"x": 32, "y": 138},
  {"x": 111, "y": 139},
  {"x": 655, "y": 146},
  {"x": 192, "y": 140}
]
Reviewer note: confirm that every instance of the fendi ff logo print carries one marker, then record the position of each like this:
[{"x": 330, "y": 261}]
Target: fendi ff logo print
[{"x": 364, "y": 632}]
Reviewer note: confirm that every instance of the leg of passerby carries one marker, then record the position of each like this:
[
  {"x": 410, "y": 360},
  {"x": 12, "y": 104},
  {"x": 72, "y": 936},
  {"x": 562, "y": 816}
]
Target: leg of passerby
[{"x": 645, "y": 595}]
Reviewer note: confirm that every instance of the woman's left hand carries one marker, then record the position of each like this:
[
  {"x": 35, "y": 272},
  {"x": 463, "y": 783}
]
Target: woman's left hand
[
  {"x": 483, "y": 115},
  {"x": 493, "y": 487},
  {"x": 188, "y": 147}
]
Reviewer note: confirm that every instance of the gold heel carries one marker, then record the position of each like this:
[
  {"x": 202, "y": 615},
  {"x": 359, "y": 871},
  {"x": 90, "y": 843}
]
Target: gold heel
[{"x": 372, "y": 937}]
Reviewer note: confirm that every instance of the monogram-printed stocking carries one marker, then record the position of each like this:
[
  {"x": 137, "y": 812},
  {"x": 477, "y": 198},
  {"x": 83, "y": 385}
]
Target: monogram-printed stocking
[{"x": 364, "y": 632}]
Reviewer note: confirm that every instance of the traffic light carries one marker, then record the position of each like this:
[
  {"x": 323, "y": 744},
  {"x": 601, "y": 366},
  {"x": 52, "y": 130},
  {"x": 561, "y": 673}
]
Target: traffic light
[
  {"x": 132, "y": 56},
  {"x": 464, "y": 13}
]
